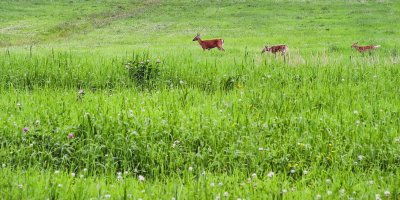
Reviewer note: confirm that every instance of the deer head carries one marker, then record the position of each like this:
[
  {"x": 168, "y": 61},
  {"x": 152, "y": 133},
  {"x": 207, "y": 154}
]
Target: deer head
[
  {"x": 197, "y": 37},
  {"x": 266, "y": 48},
  {"x": 354, "y": 45}
]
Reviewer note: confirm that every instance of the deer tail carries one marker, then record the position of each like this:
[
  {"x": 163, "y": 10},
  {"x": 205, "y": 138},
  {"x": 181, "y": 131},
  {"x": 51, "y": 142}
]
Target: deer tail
[{"x": 377, "y": 46}]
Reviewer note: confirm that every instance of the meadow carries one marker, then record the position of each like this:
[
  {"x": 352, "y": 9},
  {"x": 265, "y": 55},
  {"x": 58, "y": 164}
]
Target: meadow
[{"x": 113, "y": 100}]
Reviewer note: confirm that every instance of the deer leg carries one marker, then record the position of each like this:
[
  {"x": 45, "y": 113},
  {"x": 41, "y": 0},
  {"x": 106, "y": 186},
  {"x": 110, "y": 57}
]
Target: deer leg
[{"x": 284, "y": 56}]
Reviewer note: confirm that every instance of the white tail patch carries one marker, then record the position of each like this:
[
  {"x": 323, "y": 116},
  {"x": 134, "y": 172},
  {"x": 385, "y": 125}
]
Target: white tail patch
[
  {"x": 222, "y": 41},
  {"x": 377, "y": 46}
]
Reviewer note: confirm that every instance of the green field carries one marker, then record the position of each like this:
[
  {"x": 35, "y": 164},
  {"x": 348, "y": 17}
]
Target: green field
[{"x": 113, "y": 100}]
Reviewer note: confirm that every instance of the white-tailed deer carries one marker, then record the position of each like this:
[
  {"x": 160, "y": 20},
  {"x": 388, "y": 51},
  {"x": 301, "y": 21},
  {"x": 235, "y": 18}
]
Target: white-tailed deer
[
  {"x": 363, "y": 49},
  {"x": 209, "y": 44},
  {"x": 275, "y": 49}
]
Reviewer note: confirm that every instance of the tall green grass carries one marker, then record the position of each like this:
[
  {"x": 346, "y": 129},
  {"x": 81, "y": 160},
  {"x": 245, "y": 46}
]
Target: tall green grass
[{"x": 89, "y": 104}]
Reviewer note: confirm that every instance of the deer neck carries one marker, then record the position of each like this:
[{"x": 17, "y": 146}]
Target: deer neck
[{"x": 200, "y": 41}]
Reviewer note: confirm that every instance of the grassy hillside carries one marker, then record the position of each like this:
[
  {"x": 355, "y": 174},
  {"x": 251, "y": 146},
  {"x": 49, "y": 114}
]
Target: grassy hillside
[{"x": 98, "y": 95}]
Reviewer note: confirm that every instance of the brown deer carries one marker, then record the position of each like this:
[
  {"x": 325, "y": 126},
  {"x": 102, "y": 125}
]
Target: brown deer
[
  {"x": 363, "y": 49},
  {"x": 209, "y": 44},
  {"x": 277, "y": 48}
]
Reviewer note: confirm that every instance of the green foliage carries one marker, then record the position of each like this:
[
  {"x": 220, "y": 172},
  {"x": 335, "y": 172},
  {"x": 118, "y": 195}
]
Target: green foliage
[{"x": 144, "y": 73}]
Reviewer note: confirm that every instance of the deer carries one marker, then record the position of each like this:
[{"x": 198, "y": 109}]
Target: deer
[
  {"x": 209, "y": 44},
  {"x": 277, "y": 48},
  {"x": 363, "y": 49}
]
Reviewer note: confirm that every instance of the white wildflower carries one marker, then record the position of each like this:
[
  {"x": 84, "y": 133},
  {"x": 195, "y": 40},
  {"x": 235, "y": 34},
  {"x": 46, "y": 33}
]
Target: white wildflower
[
  {"x": 226, "y": 194},
  {"x": 387, "y": 193},
  {"x": 218, "y": 197},
  {"x": 328, "y": 181},
  {"x": 270, "y": 174},
  {"x": 141, "y": 178},
  {"x": 370, "y": 182}
]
